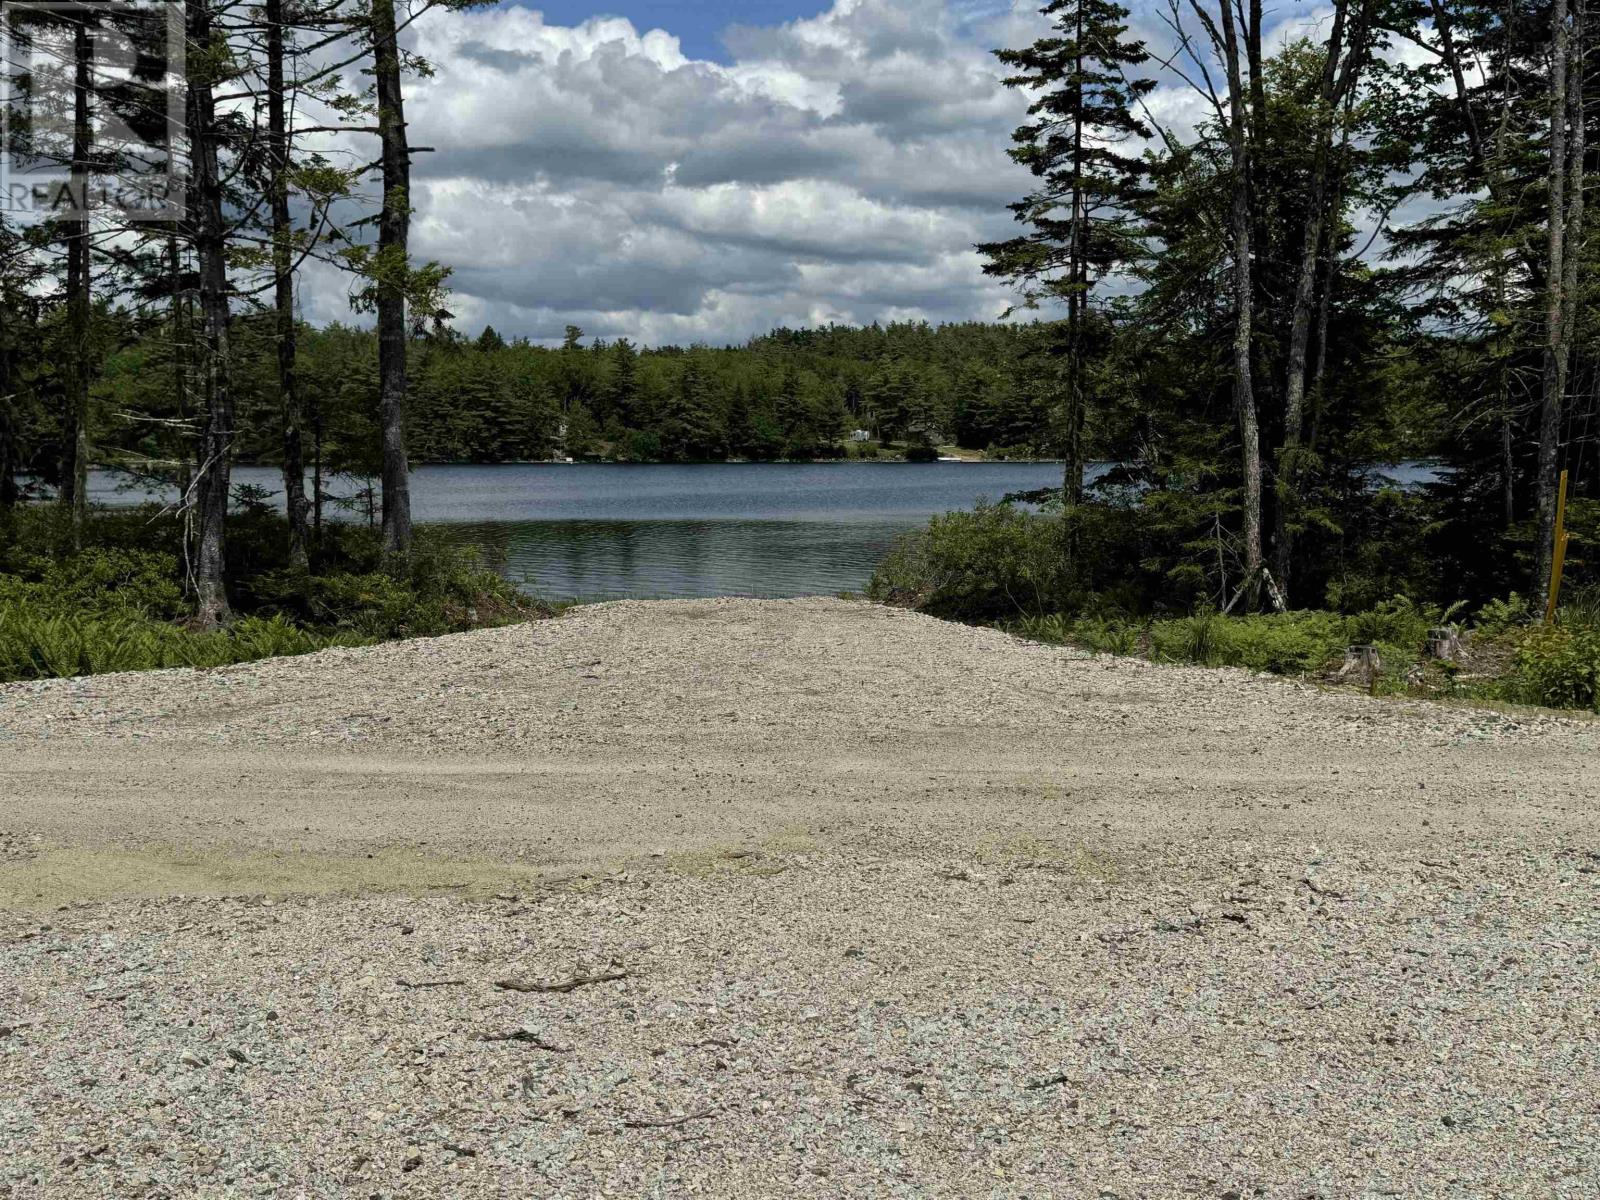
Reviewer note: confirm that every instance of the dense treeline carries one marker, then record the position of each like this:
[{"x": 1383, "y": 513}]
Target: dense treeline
[{"x": 791, "y": 394}]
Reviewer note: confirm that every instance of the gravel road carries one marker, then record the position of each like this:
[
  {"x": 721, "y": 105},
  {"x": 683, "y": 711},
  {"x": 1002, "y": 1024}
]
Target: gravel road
[{"x": 798, "y": 898}]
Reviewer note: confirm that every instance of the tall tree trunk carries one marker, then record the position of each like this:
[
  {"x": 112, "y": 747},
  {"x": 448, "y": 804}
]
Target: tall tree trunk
[
  {"x": 318, "y": 499},
  {"x": 1577, "y": 149},
  {"x": 216, "y": 450},
  {"x": 8, "y": 421},
  {"x": 75, "y": 467},
  {"x": 1072, "y": 441},
  {"x": 394, "y": 225},
  {"x": 181, "y": 332},
  {"x": 1244, "y": 397},
  {"x": 294, "y": 467},
  {"x": 10, "y": 452},
  {"x": 1319, "y": 373},
  {"x": 1330, "y": 272},
  {"x": 1557, "y": 294},
  {"x": 1289, "y": 472},
  {"x": 1500, "y": 349}
]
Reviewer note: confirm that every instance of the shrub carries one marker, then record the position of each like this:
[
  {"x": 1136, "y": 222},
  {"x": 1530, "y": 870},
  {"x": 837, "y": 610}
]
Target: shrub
[
  {"x": 1282, "y": 643},
  {"x": 1394, "y": 622},
  {"x": 447, "y": 590},
  {"x": 1581, "y": 609},
  {"x": 97, "y": 581},
  {"x": 117, "y": 604},
  {"x": 38, "y": 644},
  {"x": 1497, "y": 616},
  {"x": 990, "y": 563},
  {"x": 1557, "y": 667}
]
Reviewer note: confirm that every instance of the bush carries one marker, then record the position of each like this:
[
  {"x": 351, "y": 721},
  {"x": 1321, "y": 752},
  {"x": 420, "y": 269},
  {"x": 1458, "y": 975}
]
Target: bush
[
  {"x": 1497, "y": 616},
  {"x": 1581, "y": 609},
  {"x": 1282, "y": 643},
  {"x": 990, "y": 563},
  {"x": 1293, "y": 643},
  {"x": 117, "y": 605},
  {"x": 36, "y": 644},
  {"x": 99, "y": 581},
  {"x": 445, "y": 591},
  {"x": 1557, "y": 667}
]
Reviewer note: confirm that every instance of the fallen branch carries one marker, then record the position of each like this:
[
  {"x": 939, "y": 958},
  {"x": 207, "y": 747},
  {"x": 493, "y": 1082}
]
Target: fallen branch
[
  {"x": 565, "y": 985},
  {"x": 1322, "y": 889},
  {"x": 419, "y": 984},
  {"x": 532, "y": 1036},
  {"x": 667, "y": 1122},
  {"x": 1053, "y": 1081}
]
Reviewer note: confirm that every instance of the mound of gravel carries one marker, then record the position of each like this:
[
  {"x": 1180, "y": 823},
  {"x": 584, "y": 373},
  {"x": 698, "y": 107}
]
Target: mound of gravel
[{"x": 809, "y": 898}]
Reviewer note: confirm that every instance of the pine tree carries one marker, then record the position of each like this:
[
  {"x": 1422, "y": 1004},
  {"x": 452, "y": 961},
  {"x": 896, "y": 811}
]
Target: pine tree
[{"x": 1080, "y": 220}]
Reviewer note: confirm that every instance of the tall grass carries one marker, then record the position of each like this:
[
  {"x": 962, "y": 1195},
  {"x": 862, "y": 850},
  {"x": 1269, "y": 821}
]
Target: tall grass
[
  {"x": 41, "y": 645},
  {"x": 119, "y": 604},
  {"x": 1282, "y": 643}
]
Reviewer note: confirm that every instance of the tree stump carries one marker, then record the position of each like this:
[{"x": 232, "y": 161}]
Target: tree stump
[
  {"x": 1444, "y": 642},
  {"x": 1363, "y": 662}
]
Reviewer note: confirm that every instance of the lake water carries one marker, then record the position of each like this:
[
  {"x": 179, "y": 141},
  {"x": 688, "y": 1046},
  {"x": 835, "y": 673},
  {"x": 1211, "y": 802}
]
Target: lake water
[{"x": 602, "y": 531}]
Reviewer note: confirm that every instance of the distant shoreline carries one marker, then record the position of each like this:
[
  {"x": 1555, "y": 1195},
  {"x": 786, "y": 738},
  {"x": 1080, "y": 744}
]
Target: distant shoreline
[{"x": 708, "y": 462}]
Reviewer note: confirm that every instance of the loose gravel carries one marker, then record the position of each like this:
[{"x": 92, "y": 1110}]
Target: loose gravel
[{"x": 837, "y": 900}]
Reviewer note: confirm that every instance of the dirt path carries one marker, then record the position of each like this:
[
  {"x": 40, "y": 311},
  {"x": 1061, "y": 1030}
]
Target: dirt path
[{"x": 904, "y": 909}]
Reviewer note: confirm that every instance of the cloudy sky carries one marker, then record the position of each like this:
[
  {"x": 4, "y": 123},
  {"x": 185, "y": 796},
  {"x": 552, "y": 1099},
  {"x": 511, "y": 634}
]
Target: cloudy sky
[
  {"x": 702, "y": 170},
  {"x": 685, "y": 170}
]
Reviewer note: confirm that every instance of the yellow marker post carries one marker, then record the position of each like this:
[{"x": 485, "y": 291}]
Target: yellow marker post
[{"x": 1558, "y": 557}]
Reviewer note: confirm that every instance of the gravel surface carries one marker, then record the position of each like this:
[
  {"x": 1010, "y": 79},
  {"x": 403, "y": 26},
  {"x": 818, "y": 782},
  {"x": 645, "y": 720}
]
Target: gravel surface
[{"x": 840, "y": 900}]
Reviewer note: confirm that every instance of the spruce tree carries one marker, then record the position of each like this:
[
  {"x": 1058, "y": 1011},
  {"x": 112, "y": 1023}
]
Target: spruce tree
[{"x": 1080, "y": 219}]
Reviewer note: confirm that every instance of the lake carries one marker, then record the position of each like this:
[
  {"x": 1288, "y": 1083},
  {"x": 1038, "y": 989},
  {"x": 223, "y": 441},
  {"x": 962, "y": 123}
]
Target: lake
[{"x": 604, "y": 531}]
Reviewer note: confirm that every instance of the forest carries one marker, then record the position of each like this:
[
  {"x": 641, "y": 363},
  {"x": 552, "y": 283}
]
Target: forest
[{"x": 1370, "y": 248}]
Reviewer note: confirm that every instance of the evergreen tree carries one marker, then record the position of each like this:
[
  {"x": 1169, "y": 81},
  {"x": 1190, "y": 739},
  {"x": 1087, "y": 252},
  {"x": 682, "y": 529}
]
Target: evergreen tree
[{"x": 1080, "y": 219}]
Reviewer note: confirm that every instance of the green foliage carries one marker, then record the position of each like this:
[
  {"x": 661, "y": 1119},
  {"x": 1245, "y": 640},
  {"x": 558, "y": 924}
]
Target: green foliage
[
  {"x": 446, "y": 591},
  {"x": 1558, "y": 667},
  {"x": 1498, "y": 616},
  {"x": 37, "y": 642},
  {"x": 1580, "y": 608},
  {"x": 995, "y": 561},
  {"x": 117, "y": 605},
  {"x": 100, "y": 581},
  {"x": 1282, "y": 643},
  {"x": 792, "y": 394}
]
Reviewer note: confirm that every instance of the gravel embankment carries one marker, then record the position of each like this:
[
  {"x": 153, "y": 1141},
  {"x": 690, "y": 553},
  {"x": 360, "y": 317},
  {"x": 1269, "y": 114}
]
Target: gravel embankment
[{"x": 894, "y": 908}]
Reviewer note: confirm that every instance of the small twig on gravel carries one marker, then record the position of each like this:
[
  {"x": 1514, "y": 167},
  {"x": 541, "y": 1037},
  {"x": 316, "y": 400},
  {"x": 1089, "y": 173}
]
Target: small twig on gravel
[
  {"x": 566, "y": 985},
  {"x": 1053, "y": 1081},
  {"x": 1322, "y": 889},
  {"x": 418, "y": 984},
  {"x": 532, "y": 1036},
  {"x": 667, "y": 1122}
]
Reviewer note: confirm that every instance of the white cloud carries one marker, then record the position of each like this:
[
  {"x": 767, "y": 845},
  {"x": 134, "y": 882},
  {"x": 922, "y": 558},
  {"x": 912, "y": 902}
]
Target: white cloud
[{"x": 839, "y": 168}]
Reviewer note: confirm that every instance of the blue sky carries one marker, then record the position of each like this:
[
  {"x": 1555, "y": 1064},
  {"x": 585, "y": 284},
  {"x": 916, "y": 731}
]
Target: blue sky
[{"x": 697, "y": 23}]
